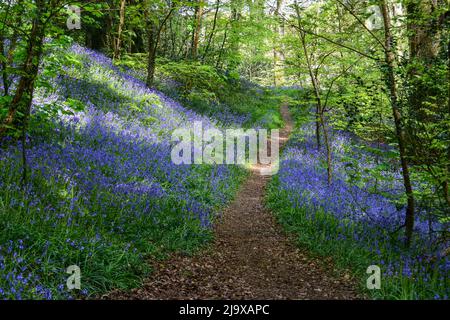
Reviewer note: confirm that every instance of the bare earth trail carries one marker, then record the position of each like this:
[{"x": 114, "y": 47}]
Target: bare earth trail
[{"x": 251, "y": 258}]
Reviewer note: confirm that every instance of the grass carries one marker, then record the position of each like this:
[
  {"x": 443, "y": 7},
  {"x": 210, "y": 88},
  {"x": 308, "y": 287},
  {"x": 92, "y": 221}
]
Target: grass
[
  {"x": 210, "y": 92},
  {"x": 319, "y": 234},
  {"x": 326, "y": 235},
  {"x": 109, "y": 246},
  {"x": 102, "y": 193}
]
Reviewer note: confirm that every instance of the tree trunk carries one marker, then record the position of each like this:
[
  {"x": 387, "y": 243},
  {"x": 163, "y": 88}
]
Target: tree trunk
[
  {"x": 320, "y": 120},
  {"x": 222, "y": 47},
  {"x": 151, "y": 54},
  {"x": 390, "y": 75},
  {"x": 277, "y": 53},
  {"x": 154, "y": 33},
  {"x": 424, "y": 45},
  {"x": 118, "y": 41},
  {"x": 326, "y": 140},
  {"x": 234, "y": 37},
  {"x": 10, "y": 55},
  {"x": 312, "y": 76},
  {"x": 19, "y": 109},
  {"x": 317, "y": 122},
  {"x": 424, "y": 35},
  {"x": 3, "y": 65},
  {"x": 445, "y": 184},
  {"x": 213, "y": 30},
  {"x": 173, "y": 39},
  {"x": 197, "y": 28}
]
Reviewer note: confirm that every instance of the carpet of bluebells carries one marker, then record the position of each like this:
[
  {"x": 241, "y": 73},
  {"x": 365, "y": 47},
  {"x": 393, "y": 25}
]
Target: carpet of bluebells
[
  {"x": 103, "y": 192},
  {"x": 358, "y": 218}
]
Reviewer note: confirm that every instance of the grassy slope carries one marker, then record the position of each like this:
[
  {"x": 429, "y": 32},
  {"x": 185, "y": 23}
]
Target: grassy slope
[
  {"x": 103, "y": 193},
  {"x": 353, "y": 246}
]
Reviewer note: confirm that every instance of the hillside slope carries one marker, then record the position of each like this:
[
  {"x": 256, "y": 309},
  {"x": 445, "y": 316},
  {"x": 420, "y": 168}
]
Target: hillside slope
[{"x": 103, "y": 192}]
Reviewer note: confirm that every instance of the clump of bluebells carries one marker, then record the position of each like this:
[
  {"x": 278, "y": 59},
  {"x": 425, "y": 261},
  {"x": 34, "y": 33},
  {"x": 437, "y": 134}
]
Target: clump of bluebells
[
  {"x": 102, "y": 193},
  {"x": 359, "y": 217},
  {"x": 17, "y": 274},
  {"x": 18, "y": 265}
]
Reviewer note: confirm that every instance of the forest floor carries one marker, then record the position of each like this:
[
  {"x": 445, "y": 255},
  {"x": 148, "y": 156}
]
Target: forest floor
[{"x": 250, "y": 258}]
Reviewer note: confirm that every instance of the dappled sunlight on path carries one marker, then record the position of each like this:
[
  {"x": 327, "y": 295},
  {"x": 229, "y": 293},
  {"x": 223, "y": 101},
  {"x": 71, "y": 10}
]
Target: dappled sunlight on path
[{"x": 251, "y": 258}]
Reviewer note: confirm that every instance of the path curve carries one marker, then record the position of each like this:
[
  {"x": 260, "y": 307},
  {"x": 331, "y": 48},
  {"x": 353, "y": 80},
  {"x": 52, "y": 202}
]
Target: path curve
[{"x": 251, "y": 258}]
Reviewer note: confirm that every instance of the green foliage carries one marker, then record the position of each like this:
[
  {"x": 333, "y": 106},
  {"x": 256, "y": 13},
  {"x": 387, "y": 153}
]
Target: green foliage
[
  {"x": 105, "y": 256},
  {"x": 323, "y": 237},
  {"x": 243, "y": 41},
  {"x": 110, "y": 247},
  {"x": 208, "y": 91},
  {"x": 193, "y": 76}
]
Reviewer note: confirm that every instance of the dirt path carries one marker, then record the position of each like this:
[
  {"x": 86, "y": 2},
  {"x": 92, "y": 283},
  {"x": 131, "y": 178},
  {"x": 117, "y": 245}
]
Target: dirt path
[{"x": 250, "y": 258}]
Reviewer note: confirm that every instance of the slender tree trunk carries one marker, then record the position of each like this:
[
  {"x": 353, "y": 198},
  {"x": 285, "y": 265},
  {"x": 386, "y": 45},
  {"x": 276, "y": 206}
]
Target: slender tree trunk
[
  {"x": 320, "y": 119},
  {"x": 164, "y": 43},
  {"x": 277, "y": 54},
  {"x": 222, "y": 47},
  {"x": 317, "y": 122},
  {"x": 326, "y": 140},
  {"x": 213, "y": 30},
  {"x": 424, "y": 39},
  {"x": 3, "y": 65},
  {"x": 173, "y": 38},
  {"x": 118, "y": 41},
  {"x": 9, "y": 55},
  {"x": 197, "y": 28},
  {"x": 390, "y": 73},
  {"x": 234, "y": 37},
  {"x": 151, "y": 54},
  {"x": 109, "y": 40},
  {"x": 445, "y": 185},
  {"x": 312, "y": 76},
  {"x": 19, "y": 109},
  {"x": 153, "y": 34}
]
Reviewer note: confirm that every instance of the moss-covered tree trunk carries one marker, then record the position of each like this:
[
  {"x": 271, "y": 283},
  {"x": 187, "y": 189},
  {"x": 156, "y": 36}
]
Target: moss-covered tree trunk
[{"x": 392, "y": 84}]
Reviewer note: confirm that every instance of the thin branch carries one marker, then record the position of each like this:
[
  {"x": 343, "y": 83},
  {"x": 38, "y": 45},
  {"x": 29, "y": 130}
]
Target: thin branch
[
  {"x": 362, "y": 23},
  {"x": 284, "y": 18},
  {"x": 335, "y": 79},
  {"x": 335, "y": 42}
]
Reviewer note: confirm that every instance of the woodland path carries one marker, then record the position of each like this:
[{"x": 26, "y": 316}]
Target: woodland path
[{"x": 250, "y": 258}]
